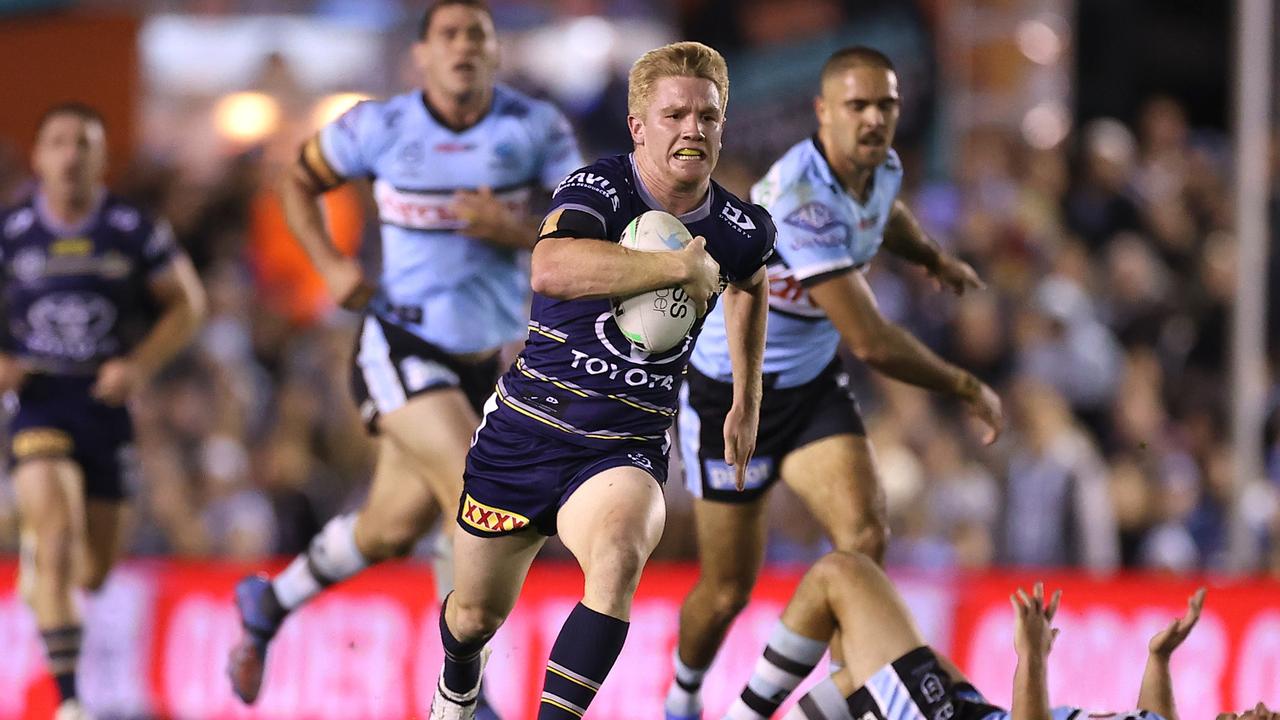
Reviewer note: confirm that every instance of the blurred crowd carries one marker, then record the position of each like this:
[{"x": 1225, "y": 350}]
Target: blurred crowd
[{"x": 1105, "y": 327}]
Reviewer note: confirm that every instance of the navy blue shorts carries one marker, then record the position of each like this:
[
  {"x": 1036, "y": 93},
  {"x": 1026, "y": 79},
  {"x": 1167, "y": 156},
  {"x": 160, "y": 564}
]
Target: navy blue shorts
[
  {"x": 57, "y": 417},
  {"x": 516, "y": 478}
]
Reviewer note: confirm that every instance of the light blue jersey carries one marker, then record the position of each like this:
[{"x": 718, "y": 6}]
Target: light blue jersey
[
  {"x": 822, "y": 230},
  {"x": 461, "y": 294}
]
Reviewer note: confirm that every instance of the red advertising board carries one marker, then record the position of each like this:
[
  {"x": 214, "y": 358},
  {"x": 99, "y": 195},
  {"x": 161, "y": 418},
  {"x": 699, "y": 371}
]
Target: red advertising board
[{"x": 158, "y": 636}]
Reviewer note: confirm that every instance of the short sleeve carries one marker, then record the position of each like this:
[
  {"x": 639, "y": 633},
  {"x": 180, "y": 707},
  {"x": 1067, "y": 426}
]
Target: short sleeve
[
  {"x": 593, "y": 192},
  {"x": 560, "y": 154},
  {"x": 340, "y": 149},
  {"x": 813, "y": 238},
  {"x": 159, "y": 248}
]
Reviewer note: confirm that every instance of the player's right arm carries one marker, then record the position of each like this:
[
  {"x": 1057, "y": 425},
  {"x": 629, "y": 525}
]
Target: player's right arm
[
  {"x": 570, "y": 262},
  {"x": 1156, "y": 694},
  {"x": 849, "y": 303},
  {"x": 325, "y": 162},
  {"x": 1033, "y": 635}
]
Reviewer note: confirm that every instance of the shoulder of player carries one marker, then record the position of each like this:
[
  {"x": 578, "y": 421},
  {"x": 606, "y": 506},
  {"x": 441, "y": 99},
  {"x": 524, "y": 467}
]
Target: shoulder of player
[
  {"x": 743, "y": 216},
  {"x": 16, "y": 219},
  {"x": 605, "y": 176},
  {"x": 509, "y": 102},
  {"x": 125, "y": 217}
]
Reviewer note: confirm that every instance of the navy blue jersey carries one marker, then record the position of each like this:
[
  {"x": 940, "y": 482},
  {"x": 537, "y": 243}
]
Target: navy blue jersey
[
  {"x": 74, "y": 297},
  {"x": 578, "y": 377}
]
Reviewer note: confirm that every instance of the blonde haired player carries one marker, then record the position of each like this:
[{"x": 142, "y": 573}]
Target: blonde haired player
[{"x": 573, "y": 442}]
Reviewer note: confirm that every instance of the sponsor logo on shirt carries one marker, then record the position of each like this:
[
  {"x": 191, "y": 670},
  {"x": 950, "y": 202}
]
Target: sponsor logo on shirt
[
  {"x": 434, "y": 210},
  {"x": 738, "y": 219},
  {"x": 591, "y": 181}
]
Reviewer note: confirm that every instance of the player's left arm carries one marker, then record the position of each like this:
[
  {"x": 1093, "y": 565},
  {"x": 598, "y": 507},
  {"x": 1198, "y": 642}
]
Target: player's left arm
[
  {"x": 904, "y": 237},
  {"x": 1156, "y": 693},
  {"x": 176, "y": 287},
  {"x": 746, "y": 312},
  {"x": 488, "y": 219}
]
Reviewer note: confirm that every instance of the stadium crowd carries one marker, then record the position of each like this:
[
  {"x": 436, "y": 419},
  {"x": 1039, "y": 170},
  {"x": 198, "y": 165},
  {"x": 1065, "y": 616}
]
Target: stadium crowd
[{"x": 1105, "y": 328}]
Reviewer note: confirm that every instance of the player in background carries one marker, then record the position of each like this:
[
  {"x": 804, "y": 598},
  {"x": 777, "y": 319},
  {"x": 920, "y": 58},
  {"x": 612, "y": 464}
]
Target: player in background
[
  {"x": 96, "y": 299},
  {"x": 574, "y": 440},
  {"x": 891, "y": 674},
  {"x": 834, "y": 198},
  {"x": 454, "y": 167}
]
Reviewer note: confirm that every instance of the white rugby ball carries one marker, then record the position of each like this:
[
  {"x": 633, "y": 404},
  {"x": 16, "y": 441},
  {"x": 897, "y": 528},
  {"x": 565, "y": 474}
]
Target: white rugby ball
[{"x": 658, "y": 320}]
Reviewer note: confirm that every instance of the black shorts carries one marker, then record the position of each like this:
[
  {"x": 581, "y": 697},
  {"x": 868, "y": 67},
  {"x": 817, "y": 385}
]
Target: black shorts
[
  {"x": 913, "y": 686},
  {"x": 390, "y": 365},
  {"x": 57, "y": 417},
  {"x": 789, "y": 418},
  {"x": 516, "y": 478}
]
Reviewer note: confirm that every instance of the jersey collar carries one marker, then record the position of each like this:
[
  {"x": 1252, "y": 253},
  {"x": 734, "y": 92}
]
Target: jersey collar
[
  {"x": 829, "y": 176},
  {"x": 439, "y": 119},
  {"x": 702, "y": 212},
  {"x": 58, "y": 227}
]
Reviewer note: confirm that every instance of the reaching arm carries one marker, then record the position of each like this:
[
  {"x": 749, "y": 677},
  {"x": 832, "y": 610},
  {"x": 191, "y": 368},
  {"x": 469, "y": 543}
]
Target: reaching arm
[
  {"x": 179, "y": 291},
  {"x": 1156, "y": 693},
  {"x": 1033, "y": 635},
  {"x": 300, "y": 193},
  {"x": 904, "y": 237},
  {"x": 849, "y": 304},
  {"x": 746, "y": 312}
]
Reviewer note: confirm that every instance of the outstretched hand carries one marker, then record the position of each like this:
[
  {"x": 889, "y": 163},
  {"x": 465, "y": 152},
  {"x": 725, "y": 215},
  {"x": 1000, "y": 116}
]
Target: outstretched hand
[
  {"x": 1033, "y": 631},
  {"x": 1167, "y": 640}
]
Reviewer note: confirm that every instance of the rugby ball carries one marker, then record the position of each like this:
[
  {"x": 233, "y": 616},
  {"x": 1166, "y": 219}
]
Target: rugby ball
[{"x": 658, "y": 320}]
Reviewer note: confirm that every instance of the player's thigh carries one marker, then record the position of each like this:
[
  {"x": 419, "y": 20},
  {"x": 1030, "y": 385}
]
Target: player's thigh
[
  {"x": 105, "y": 521},
  {"x": 838, "y": 481},
  {"x": 731, "y": 540},
  {"x": 434, "y": 430},
  {"x": 614, "y": 516},
  {"x": 489, "y": 572},
  {"x": 401, "y": 500}
]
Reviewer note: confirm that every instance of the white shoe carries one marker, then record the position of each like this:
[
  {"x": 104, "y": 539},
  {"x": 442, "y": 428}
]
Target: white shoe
[
  {"x": 448, "y": 705},
  {"x": 71, "y": 710}
]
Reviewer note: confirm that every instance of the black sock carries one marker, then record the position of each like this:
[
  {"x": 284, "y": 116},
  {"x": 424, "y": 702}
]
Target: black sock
[
  {"x": 584, "y": 653},
  {"x": 461, "y": 659},
  {"x": 62, "y": 648}
]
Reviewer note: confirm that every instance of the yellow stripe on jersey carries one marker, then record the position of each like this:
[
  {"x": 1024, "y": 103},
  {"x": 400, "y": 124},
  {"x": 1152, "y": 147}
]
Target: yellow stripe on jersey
[
  {"x": 314, "y": 160},
  {"x": 544, "y": 333}
]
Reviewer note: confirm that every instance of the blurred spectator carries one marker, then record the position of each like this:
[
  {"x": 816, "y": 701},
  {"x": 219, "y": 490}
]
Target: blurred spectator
[{"x": 1058, "y": 510}]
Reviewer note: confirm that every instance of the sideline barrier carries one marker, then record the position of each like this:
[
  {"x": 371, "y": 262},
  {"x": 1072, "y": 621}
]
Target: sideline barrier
[{"x": 158, "y": 636}]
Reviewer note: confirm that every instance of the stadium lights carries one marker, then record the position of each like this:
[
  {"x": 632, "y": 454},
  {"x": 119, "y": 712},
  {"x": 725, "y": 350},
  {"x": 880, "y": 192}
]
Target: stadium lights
[
  {"x": 246, "y": 117},
  {"x": 331, "y": 106},
  {"x": 1046, "y": 125},
  {"x": 1039, "y": 41}
]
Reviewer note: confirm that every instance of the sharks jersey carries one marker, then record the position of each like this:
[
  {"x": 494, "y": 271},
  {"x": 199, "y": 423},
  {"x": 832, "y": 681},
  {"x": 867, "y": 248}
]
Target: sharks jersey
[
  {"x": 74, "y": 297},
  {"x": 458, "y": 293},
  {"x": 578, "y": 377},
  {"x": 822, "y": 231}
]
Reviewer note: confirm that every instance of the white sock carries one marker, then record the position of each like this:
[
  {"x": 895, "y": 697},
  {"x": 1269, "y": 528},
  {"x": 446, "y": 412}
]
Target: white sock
[
  {"x": 788, "y": 659},
  {"x": 824, "y": 701},
  {"x": 685, "y": 696},
  {"x": 332, "y": 557}
]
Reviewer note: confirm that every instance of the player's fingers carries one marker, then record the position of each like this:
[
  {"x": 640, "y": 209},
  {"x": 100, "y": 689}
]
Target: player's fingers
[
  {"x": 1053, "y": 603},
  {"x": 1037, "y": 591},
  {"x": 1196, "y": 603},
  {"x": 740, "y": 476},
  {"x": 1022, "y": 598}
]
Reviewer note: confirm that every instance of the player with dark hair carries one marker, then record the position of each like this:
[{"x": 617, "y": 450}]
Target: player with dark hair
[
  {"x": 834, "y": 197},
  {"x": 97, "y": 298},
  {"x": 891, "y": 674},
  {"x": 574, "y": 441},
  {"x": 454, "y": 166}
]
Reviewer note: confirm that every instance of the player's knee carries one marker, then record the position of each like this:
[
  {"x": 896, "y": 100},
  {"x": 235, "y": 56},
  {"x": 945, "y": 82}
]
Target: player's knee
[
  {"x": 843, "y": 567},
  {"x": 473, "y": 622},
  {"x": 616, "y": 562},
  {"x": 869, "y": 537},
  {"x": 728, "y": 598},
  {"x": 53, "y": 553}
]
